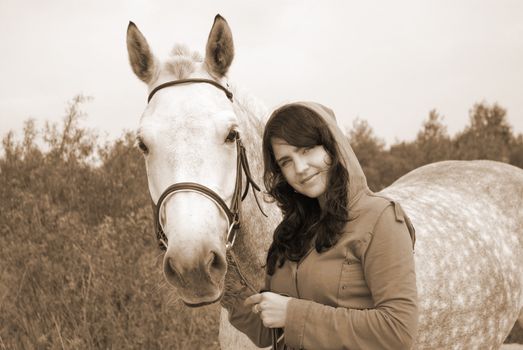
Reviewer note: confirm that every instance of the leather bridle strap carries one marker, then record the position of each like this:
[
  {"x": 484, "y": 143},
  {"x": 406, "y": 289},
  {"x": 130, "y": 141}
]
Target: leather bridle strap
[
  {"x": 186, "y": 81},
  {"x": 232, "y": 219},
  {"x": 232, "y": 214}
]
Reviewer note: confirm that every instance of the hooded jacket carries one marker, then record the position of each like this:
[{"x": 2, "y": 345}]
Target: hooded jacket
[{"x": 360, "y": 293}]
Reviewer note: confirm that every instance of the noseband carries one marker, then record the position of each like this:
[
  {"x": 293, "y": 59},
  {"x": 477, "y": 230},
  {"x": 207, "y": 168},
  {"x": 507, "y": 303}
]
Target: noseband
[{"x": 233, "y": 213}]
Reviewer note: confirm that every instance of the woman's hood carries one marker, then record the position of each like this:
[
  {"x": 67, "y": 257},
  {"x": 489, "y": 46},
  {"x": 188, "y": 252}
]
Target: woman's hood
[{"x": 357, "y": 180}]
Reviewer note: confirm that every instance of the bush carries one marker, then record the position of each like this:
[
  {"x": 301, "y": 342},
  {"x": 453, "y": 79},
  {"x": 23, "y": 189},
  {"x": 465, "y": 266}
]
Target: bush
[{"x": 81, "y": 268}]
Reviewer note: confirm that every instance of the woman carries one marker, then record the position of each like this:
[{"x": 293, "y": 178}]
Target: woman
[{"x": 340, "y": 270}]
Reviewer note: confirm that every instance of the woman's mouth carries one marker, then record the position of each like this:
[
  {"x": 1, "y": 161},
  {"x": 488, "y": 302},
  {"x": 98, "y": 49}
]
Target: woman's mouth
[{"x": 308, "y": 178}]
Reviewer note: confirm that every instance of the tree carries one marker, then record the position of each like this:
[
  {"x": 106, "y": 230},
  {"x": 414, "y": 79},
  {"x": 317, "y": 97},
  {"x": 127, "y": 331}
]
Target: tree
[
  {"x": 403, "y": 157},
  {"x": 78, "y": 249},
  {"x": 71, "y": 142},
  {"x": 433, "y": 140},
  {"x": 488, "y": 136},
  {"x": 370, "y": 152},
  {"x": 516, "y": 151}
]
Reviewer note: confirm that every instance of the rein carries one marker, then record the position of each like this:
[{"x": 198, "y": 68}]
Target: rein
[{"x": 232, "y": 213}]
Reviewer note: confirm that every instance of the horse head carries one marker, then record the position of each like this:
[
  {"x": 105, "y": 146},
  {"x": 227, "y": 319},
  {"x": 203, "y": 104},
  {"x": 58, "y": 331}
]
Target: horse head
[{"x": 189, "y": 133}]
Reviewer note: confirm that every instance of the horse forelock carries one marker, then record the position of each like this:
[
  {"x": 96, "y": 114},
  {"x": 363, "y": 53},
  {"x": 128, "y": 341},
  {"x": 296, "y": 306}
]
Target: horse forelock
[
  {"x": 183, "y": 50},
  {"x": 182, "y": 62}
]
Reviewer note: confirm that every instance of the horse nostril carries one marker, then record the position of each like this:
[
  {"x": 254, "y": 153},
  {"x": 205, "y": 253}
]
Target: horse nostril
[
  {"x": 216, "y": 266},
  {"x": 213, "y": 261},
  {"x": 171, "y": 272}
]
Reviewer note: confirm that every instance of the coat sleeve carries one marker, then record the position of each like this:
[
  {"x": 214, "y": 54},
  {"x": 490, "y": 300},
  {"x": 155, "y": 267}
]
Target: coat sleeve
[
  {"x": 388, "y": 265},
  {"x": 244, "y": 320}
]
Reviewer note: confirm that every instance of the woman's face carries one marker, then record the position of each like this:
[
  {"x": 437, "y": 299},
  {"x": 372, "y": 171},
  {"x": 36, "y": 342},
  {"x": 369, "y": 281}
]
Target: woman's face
[{"x": 306, "y": 169}]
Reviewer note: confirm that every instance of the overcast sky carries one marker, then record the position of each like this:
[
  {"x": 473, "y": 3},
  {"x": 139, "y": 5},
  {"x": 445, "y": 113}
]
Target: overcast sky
[{"x": 387, "y": 62}]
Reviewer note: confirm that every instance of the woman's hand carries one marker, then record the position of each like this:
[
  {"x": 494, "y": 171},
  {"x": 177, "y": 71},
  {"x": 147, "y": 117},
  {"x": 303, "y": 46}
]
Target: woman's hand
[{"x": 271, "y": 307}]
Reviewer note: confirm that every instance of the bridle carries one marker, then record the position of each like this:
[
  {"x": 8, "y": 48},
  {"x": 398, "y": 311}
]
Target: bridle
[
  {"x": 186, "y": 81},
  {"x": 233, "y": 213}
]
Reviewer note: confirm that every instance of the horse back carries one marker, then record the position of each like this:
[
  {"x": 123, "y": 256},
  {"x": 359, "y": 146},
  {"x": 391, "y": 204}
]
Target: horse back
[{"x": 468, "y": 217}]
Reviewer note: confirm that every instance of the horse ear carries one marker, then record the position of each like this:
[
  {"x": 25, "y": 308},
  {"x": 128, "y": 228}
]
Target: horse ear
[
  {"x": 220, "y": 48},
  {"x": 140, "y": 55}
]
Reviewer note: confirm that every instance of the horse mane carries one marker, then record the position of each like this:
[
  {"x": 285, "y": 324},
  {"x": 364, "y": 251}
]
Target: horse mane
[
  {"x": 182, "y": 61},
  {"x": 250, "y": 106}
]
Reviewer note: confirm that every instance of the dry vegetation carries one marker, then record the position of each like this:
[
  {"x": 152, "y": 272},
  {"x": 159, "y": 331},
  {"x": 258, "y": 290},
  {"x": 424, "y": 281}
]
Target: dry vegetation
[{"x": 80, "y": 268}]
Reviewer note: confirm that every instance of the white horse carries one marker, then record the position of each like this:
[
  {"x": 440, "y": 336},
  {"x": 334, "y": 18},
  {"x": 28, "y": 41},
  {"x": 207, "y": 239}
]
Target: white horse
[{"x": 468, "y": 215}]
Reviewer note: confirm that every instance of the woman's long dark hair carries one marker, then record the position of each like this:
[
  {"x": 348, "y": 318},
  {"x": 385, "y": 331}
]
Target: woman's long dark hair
[{"x": 303, "y": 221}]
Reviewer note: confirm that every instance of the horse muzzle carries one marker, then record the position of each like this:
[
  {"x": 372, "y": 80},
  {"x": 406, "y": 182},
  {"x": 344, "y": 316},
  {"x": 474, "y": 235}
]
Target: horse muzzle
[{"x": 198, "y": 278}]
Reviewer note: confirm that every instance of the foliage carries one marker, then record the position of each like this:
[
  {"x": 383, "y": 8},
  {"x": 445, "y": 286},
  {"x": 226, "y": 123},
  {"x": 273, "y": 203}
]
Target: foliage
[
  {"x": 368, "y": 147},
  {"x": 80, "y": 265},
  {"x": 487, "y": 136},
  {"x": 433, "y": 142}
]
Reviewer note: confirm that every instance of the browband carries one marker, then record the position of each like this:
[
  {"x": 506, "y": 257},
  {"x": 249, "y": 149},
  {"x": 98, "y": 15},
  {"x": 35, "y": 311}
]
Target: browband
[{"x": 185, "y": 81}]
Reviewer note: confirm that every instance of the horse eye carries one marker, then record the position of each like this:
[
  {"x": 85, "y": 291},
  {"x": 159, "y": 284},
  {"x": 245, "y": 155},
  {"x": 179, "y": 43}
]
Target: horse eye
[
  {"x": 233, "y": 134},
  {"x": 141, "y": 145}
]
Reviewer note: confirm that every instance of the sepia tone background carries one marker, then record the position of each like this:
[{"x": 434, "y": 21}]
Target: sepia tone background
[
  {"x": 413, "y": 83},
  {"x": 386, "y": 62}
]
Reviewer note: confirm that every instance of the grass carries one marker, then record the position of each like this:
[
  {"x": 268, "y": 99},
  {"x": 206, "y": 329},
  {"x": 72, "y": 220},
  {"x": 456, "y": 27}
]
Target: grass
[{"x": 76, "y": 287}]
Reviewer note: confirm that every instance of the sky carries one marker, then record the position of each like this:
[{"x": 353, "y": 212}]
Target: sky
[{"x": 387, "y": 62}]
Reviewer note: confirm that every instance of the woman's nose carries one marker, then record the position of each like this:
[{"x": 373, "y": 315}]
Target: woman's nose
[{"x": 300, "y": 165}]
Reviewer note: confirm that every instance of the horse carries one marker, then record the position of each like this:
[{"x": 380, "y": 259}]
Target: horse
[{"x": 201, "y": 135}]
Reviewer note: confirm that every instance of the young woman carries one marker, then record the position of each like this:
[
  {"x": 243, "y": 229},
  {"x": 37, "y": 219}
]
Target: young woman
[{"x": 340, "y": 270}]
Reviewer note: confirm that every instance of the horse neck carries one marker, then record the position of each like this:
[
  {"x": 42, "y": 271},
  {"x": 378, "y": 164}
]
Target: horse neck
[{"x": 256, "y": 231}]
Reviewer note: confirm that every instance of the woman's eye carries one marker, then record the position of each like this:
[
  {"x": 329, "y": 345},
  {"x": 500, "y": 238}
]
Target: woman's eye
[
  {"x": 231, "y": 137},
  {"x": 284, "y": 163},
  {"x": 142, "y": 146}
]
